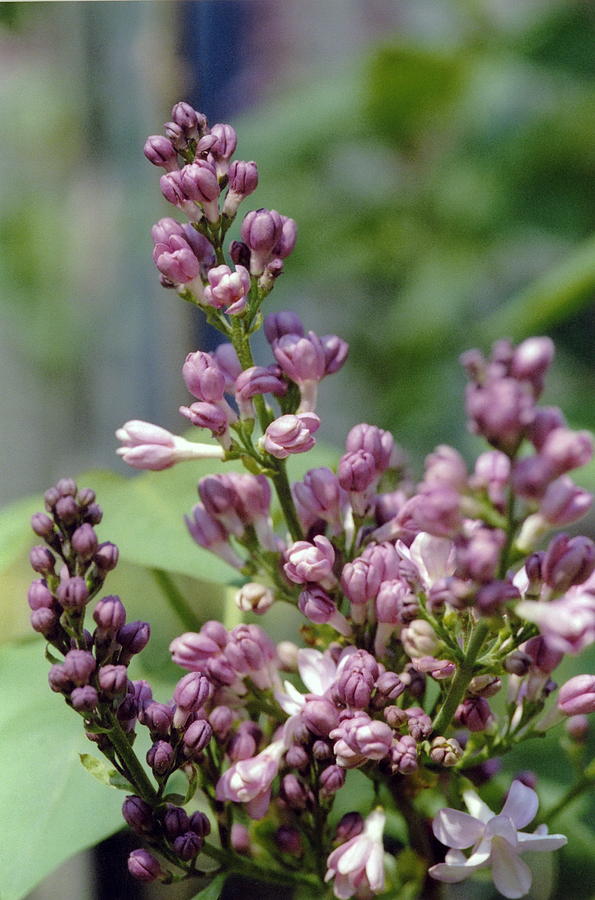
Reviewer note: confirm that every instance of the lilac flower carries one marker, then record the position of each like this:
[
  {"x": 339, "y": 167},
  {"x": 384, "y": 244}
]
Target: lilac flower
[
  {"x": 357, "y": 866},
  {"x": 284, "y": 322},
  {"x": 316, "y": 605},
  {"x": 147, "y": 446},
  {"x": 360, "y": 738},
  {"x": 227, "y": 290},
  {"x": 254, "y": 381},
  {"x": 203, "y": 377},
  {"x": 249, "y": 780},
  {"x": 495, "y": 840},
  {"x": 302, "y": 359},
  {"x": 209, "y": 533},
  {"x": 373, "y": 440},
  {"x": 161, "y": 152},
  {"x": 577, "y": 696},
  {"x": 319, "y": 496},
  {"x": 243, "y": 181},
  {"x": 254, "y": 597},
  {"x": 290, "y": 434},
  {"x": 311, "y": 562}
]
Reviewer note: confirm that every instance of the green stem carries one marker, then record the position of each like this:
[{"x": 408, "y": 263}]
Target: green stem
[
  {"x": 130, "y": 762},
  {"x": 585, "y": 782},
  {"x": 176, "y": 599},
  {"x": 251, "y": 870},
  {"x": 463, "y": 676}
]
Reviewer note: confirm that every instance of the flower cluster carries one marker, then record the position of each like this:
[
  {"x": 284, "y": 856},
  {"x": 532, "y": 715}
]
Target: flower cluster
[{"x": 420, "y": 601}]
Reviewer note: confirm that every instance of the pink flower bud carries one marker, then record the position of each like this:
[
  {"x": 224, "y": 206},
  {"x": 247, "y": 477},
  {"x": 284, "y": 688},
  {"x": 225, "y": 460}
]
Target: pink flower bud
[
  {"x": 291, "y": 434},
  {"x": 203, "y": 377},
  {"x": 161, "y": 152},
  {"x": 577, "y": 696},
  {"x": 307, "y": 562},
  {"x": 228, "y": 290},
  {"x": 564, "y": 503},
  {"x": 278, "y": 324}
]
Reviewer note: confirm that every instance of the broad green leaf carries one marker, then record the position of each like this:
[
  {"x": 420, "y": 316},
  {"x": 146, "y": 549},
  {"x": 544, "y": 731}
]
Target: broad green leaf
[
  {"x": 54, "y": 808},
  {"x": 212, "y": 890},
  {"x": 105, "y": 774}
]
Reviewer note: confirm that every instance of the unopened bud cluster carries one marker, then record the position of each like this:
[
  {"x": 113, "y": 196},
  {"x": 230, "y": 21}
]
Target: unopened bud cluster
[{"x": 420, "y": 601}]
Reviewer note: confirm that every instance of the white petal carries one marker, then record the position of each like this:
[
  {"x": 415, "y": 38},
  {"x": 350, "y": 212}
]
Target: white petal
[
  {"x": 433, "y": 556},
  {"x": 540, "y": 842},
  {"x": 374, "y": 826},
  {"x": 521, "y": 804},
  {"x": 502, "y": 827},
  {"x": 354, "y": 857},
  {"x": 317, "y": 670},
  {"x": 343, "y": 888},
  {"x": 457, "y": 829},
  {"x": 375, "y": 869},
  {"x": 510, "y": 874},
  {"x": 290, "y": 700},
  {"x": 476, "y": 806},
  {"x": 451, "y": 874}
]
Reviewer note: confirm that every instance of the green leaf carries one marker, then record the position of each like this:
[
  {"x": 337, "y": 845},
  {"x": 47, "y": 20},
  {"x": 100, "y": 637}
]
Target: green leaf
[
  {"x": 105, "y": 774},
  {"x": 212, "y": 890},
  {"x": 55, "y": 810}
]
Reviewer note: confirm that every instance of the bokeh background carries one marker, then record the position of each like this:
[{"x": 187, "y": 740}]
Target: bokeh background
[{"x": 439, "y": 159}]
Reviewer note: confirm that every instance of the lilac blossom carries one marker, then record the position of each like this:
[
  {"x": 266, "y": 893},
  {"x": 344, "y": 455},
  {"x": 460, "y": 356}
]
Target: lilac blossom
[
  {"x": 291, "y": 434},
  {"x": 147, "y": 446},
  {"x": 227, "y": 290},
  {"x": 356, "y": 867},
  {"x": 249, "y": 781}
]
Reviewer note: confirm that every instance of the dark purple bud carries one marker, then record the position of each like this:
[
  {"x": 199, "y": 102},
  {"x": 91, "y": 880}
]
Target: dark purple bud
[
  {"x": 493, "y": 597},
  {"x": 474, "y": 713},
  {"x": 356, "y": 682},
  {"x": 542, "y": 655},
  {"x": 161, "y": 152},
  {"x": 175, "y": 821},
  {"x": 44, "y": 621},
  {"x": 73, "y": 594},
  {"x": 297, "y": 758},
  {"x": 322, "y": 751},
  {"x": 196, "y": 737},
  {"x": 85, "y": 497},
  {"x": 288, "y": 840},
  {"x": 143, "y": 866},
  {"x": 200, "y": 824},
  {"x": 113, "y": 680},
  {"x": 84, "y": 699},
  {"x": 188, "y": 845},
  {"x": 66, "y": 487},
  {"x": 79, "y": 665},
  {"x": 106, "y": 557},
  {"x": 110, "y": 614},
  {"x": 262, "y": 229},
  {"x": 39, "y": 596},
  {"x": 357, "y": 471},
  {"x": 192, "y": 691},
  {"x": 243, "y": 177},
  {"x": 226, "y": 141},
  {"x": 138, "y": 815},
  {"x": 388, "y": 687},
  {"x": 295, "y": 793},
  {"x": 284, "y": 322},
  {"x": 547, "y": 418},
  {"x": 157, "y": 717},
  {"x": 240, "y": 254},
  {"x": 67, "y": 510},
  {"x": 568, "y": 561},
  {"x": 241, "y": 745},
  {"x": 349, "y": 827},
  {"x": 517, "y": 663},
  {"x": 320, "y": 717},
  {"x": 161, "y": 757},
  {"x": 419, "y": 723},
  {"x": 42, "y": 560},
  {"x": 42, "y": 525},
  {"x": 501, "y": 411},
  {"x": 59, "y": 679},
  {"x": 533, "y": 567},
  {"x": 84, "y": 541},
  {"x": 94, "y": 514},
  {"x": 133, "y": 638},
  {"x": 331, "y": 780},
  {"x": 221, "y": 719},
  {"x": 531, "y": 476}
]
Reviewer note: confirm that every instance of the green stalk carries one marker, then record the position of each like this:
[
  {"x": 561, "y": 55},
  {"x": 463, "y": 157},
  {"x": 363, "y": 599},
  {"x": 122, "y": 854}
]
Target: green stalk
[
  {"x": 130, "y": 762},
  {"x": 176, "y": 599},
  {"x": 463, "y": 676}
]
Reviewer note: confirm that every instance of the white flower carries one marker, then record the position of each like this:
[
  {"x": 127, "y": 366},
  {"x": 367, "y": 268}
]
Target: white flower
[
  {"x": 433, "y": 557},
  {"x": 358, "y": 865},
  {"x": 495, "y": 841},
  {"x": 318, "y": 672}
]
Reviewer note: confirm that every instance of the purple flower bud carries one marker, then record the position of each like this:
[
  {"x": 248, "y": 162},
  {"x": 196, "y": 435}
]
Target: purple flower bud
[
  {"x": 42, "y": 560},
  {"x": 295, "y": 793},
  {"x": 356, "y": 682},
  {"x": 336, "y": 351},
  {"x": 494, "y": 596},
  {"x": 240, "y": 254},
  {"x": 437, "y": 511},
  {"x": 250, "y": 651},
  {"x": 133, "y": 638},
  {"x": 445, "y": 752},
  {"x": 320, "y": 717},
  {"x": 196, "y": 737},
  {"x": 158, "y": 718},
  {"x": 51, "y": 497},
  {"x": 59, "y": 679},
  {"x": 492, "y": 472},
  {"x": 66, "y": 487},
  {"x": 84, "y": 542},
  {"x": 242, "y": 745},
  {"x": 445, "y": 466},
  {"x": 373, "y": 440},
  {"x": 209, "y": 415},
  {"x": 517, "y": 663},
  {"x": 311, "y": 562},
  {"x": 188, "y": 845},
  {"x": 199, "y": 183},
  {"x": 577, "y": 696},
  {"x": 501, "y": 411},
  {"x": 564, "y": 503},
  {"x": 203, "y": 377},
  {"x": 359, "y": 739},
  {"x": 192, "y": 122},
  {"x": 568, "y": 561},
  {"x": 39, "y": 596},
  {"x": 357, "y": 471},
  {"x": 138, "y": 815},
  {"x": 320, "y": 495},
  {"x": 67, "y": 510},
  {"x": 73, "y": 594},
  {"x": 161, "y": 757},
  {"x": 287, "y": 239},
  {"x": 289, "y": 840},
  {"x": 395, "y": 604},
  {"x": 192, "y": 691},
  {"x": 291, "y": 434},
  {"x": 84, "y": 699},
  {"x": 44, "y": 621},
  {"x": 331, "y": 780},
  {"x": 113, "y": 680},
  {"x": 243, "y": 181},
  {"x": 200, "y": 824},
  {"x": 349, "y": 827},
  {"x": 254, "y": 381},
  {"x": 110, "y": 615},
  {"x": 226, "y": 141},
  {"x": 221, "y": 719},
  {"x": 542, "y": 655},
  {"x": 531, "y": 476},
  {"x": 361, "y": 580},
  {"x": 565, "y": 449},
  {"x": 301, "y": 358},
  {"x": 419, "y": 724},
  {"x": 143, "y": 866},
  {"x": 106, "y": 557},
  {"x": 285, "y": 322},
  {"x": 403, "y": 755},
  {"x": 388, "y": 687},
  {"x": 161, "y": 152},
  {"x": 261, "y": 230},
  {"x": 478, "y": 556},
  {"x": 79, "y": 665},
  {"x": 42, "y": 525},
  {"x": 175, "y": 821},
  {"x": 547, "y": 418},
  {"x": 228, "y": 290},
  {"x": 531, "y": 360},
  {"x": 298, "y": 758},
  {"x": 474, "y": 713}
]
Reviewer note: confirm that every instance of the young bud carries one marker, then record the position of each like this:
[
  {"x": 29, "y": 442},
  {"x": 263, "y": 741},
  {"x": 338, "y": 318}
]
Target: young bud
[
  {"x": 106, "y": 557},
  {"x": 79, "y": 665},
  {"x": 84, "y": 699},
  {"x": 161, "y": 757},
  {"x": 577, "y": 696},
  {"x": 143, "y": 866},
  {"x": 42, "y": 525},
  {"x": 196, "y": 737},
  {"x": 73, "y": 594},
  {"x": 138, "y": 815},
  {"x": 42, "y": 560},
  {"x": 84, "y": 542}
]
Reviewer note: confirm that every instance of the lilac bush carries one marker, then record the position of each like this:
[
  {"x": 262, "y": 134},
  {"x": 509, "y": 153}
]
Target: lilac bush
[{"x": 434, "y": 613}]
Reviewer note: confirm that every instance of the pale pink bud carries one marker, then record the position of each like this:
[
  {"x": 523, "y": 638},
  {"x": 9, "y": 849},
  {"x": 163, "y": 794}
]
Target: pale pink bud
[{"x": 291, "y": 434}]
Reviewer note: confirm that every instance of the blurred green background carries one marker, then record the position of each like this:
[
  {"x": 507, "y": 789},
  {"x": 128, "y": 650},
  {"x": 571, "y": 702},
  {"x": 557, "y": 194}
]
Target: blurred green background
[{"x": 439, "y": 159}]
